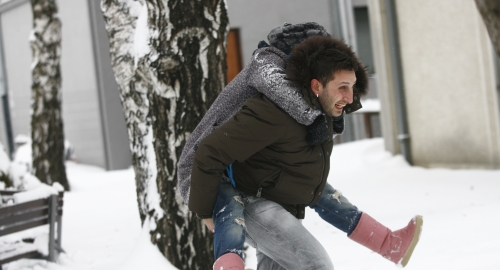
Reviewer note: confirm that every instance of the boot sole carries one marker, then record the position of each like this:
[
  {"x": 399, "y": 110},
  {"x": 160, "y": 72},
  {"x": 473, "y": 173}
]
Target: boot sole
[{"x": 419, "y": 221}]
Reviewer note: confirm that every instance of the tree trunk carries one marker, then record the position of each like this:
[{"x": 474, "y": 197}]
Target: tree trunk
[
  {"x": 165, "y": 91},
  {"x": 188, "y": 70},
  {"x": 490, "y": 11},
  {"x": 46, "y": 119},
  {"x": 133, "y": 82}
]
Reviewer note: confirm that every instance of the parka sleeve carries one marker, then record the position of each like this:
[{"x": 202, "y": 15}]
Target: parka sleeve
[
  {"x": 257, "y": 125},
  {"x": 268, "y": 76}
]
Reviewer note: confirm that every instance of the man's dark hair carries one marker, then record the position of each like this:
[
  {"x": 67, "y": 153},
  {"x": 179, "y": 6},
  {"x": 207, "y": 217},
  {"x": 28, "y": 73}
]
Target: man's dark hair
[{"x": 319, "y": 57}]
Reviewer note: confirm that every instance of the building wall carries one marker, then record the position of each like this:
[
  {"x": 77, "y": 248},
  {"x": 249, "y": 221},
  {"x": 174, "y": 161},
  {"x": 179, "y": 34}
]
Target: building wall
[
  {"x": 92, "y": 113},
  {"x": 17, "y": 53},
  {"x": 80, "y": 104},
  {"x": 114, "y": 130},
  {"x": 382, "y": 63},
  {"x": 3, "y": 95},
  {"x": 256, "y": 18},
  {"x": 3, "y": 132},
  {"x": 450, "y": 88}
]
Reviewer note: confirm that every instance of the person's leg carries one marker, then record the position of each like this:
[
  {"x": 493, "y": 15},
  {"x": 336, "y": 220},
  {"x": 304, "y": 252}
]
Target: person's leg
[
  {"x": 282, "y": 238},
  {"x": 267, "y": 263},
  {"x": 335, "y": 209},
  {"x": 396, "y": 246},
  {"x": 229, "y": 233}
]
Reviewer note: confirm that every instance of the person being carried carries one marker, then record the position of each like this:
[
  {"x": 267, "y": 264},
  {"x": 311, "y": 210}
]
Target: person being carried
[{"x": 229, "y": 232}]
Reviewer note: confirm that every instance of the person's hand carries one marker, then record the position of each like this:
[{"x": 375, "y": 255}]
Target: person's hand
[{"x": 210, "y": 223}]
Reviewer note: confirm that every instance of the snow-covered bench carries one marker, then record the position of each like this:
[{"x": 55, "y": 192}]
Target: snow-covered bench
[{"x": 27, "y": 215}]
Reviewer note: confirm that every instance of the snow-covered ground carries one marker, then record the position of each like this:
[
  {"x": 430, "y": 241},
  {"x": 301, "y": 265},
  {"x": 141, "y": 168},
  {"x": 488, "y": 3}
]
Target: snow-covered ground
[{"x": 101, "y": 226}]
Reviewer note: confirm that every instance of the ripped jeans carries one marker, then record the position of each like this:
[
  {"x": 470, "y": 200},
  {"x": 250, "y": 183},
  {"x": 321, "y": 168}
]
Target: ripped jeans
[
  {"x": 229, "y": 222},
  {"x": 229, "y": 232}
]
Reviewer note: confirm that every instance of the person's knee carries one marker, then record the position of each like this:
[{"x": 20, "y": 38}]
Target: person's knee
[
  {"x": 236, "y": 230},
  {"x": 229, "y": 217},
  {"x": 335, "y": 197},
  {"x": 272, "y": 218},
  {"x": 232, "y": 205},
  {"x": 235, "y": 205}
]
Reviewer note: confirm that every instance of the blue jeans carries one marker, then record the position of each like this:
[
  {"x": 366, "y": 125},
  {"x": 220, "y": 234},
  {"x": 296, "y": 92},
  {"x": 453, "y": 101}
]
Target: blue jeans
[
  {"x": 229, "y": 233},
  {"x": 229, "y": 222},
  {"x": 281, "y": 241},
  {"x": 337, "y": 210}
]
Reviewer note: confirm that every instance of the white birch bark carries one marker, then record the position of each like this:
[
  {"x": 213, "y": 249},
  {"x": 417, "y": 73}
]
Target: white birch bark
[
  {"x": 121, "y": 18},
  {"x": 166, "y": 87},
  {"x": 46, "y": 116}
]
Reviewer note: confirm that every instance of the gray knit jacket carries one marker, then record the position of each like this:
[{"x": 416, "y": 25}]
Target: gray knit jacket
[{"x": 265, "y": 74}]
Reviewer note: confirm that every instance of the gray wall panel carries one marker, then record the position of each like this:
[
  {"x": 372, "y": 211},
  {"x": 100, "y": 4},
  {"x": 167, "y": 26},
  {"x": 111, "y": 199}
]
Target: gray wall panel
[
  {"x": 113, "y": 121},
  {"x": 256, "y": 18},
  {"x": 79, "y": 95},
  {"x": 82, "y": 119},
  {"x": 16, "y": 28}
]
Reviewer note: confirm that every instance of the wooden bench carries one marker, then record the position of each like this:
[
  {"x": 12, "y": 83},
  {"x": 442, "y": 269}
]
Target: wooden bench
[{"x": 19, "y": 217}]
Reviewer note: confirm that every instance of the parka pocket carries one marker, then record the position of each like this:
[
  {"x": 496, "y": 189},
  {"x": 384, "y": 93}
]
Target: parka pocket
[{"x": 270, "y": 182}]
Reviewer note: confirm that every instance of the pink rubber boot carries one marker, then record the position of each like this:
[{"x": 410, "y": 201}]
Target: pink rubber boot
[
  {"x": 395, "y": 246},
  {"x": 229, "y": 261}
]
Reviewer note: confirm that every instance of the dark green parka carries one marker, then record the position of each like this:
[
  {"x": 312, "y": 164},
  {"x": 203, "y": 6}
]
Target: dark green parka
[{"x": 270, "y": 155}]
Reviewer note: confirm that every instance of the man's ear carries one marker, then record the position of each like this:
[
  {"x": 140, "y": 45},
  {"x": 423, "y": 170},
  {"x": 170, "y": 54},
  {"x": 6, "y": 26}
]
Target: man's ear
[{"x": 315, "y": 86}]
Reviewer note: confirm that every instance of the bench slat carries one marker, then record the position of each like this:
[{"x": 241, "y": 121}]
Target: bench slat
[
  {"x": 8, "y": 192},
  {"x": 19, "y": 217},
  {"x": 24, "y": 226},
  {"x": 23, "y": 217},
  {"x": 9, "y": 209},
  {"x": 18, "y": 250}
]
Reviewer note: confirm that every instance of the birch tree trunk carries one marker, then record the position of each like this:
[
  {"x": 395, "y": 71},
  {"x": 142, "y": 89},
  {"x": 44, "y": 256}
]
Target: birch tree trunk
[
  {"x": 121, "y": 18},
  {"x": 490, "y": 11},
  {"x": 46, "y": 119},
  {"x": 188, "y": 67},
  {"x": 165, "y": 91}
]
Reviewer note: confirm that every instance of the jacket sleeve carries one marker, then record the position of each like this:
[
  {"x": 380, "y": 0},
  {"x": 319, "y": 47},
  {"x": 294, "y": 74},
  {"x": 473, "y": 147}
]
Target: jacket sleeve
[
  {"x": 257, "y": 125},
  {"x": 267, "y": 75}
]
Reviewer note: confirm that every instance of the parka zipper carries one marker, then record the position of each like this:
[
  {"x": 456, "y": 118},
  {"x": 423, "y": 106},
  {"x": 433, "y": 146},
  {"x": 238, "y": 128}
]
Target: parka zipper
[
  {"x": 323, "y": 164},
  {"x": 272, "y": 176},
  {"x": 322, "y": 172}
]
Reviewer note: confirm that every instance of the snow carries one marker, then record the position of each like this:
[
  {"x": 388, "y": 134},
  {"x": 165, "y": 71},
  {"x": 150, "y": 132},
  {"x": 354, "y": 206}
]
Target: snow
[
  {"x": 40, "y": 191},
  {"x": 370, "y": 105},
  {"x": 101, "y": 225},
  {"x": 152, "y": 196},
  {"x": 141, "y": 36}
]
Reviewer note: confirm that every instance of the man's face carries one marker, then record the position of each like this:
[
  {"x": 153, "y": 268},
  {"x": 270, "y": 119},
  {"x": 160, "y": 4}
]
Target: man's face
[{"x": 336, "y": 93}]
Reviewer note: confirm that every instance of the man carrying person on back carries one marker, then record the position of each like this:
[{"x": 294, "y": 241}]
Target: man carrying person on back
[{"x": 281, "y": 165}]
